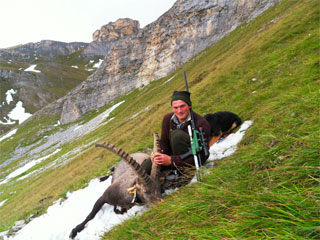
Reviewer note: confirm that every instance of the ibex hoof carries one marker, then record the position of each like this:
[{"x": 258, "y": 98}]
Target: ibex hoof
[
  {"x": 75, "y": 231},
  {"x": 73, "y": 234}
]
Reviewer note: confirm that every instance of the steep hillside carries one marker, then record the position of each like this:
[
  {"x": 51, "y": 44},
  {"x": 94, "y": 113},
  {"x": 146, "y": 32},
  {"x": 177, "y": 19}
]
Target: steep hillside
[{"x": 266, "y": 71}]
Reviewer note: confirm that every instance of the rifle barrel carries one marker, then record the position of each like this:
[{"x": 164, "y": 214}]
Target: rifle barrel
[{"x": 185, "y": 80}]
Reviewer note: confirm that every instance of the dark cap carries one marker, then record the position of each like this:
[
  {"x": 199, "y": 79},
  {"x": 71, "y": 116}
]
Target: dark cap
[{"x": 181, "y": 95}]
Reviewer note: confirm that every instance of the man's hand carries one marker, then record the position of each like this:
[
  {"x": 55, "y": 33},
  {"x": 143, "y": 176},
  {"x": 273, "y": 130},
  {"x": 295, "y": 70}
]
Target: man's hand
[{"x": 161, "y": 159}]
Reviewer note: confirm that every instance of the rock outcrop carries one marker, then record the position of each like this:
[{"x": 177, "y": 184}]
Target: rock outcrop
[
  {"x": 134, "y": 57},
  {"x": 105, "y": 38}
]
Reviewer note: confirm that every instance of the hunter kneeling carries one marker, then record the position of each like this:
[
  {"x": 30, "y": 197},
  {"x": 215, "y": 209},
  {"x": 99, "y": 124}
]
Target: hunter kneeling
[{"x": 176, "y": 153}]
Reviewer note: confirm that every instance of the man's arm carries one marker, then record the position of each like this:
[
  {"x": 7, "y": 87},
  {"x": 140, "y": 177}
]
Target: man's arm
[
  {"x": 165, "y": 131},
  {"x": 200, "y": 122}
]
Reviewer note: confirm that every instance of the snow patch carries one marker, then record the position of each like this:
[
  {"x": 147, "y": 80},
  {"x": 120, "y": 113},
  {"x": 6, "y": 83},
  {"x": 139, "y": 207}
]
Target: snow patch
[
  {"x": 7, "y": 121},
  {"x": 26, "y": 167},
  {"x": 228, "y": 145},
  {"x": 168, "y": 80},
  {"x": 63, "y": 216},
  {"x": 98, "y": 64},
  {"x": 9, "y": 97},
  {"x": 9, "y": 134},
  {"x": 19, "y": 113},
  {"x": 1, "y": 203},
  {"x": 32, "y": 68},
  {"x": 58, "y": 139}
]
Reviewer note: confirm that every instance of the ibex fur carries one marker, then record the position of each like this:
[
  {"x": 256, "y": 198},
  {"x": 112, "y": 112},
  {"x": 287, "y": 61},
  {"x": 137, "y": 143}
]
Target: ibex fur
[{"x": 130, "y": 184}]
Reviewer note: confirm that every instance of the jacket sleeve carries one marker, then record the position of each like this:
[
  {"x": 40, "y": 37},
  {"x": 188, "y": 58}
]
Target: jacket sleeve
[{"x": 165, "y": 131}]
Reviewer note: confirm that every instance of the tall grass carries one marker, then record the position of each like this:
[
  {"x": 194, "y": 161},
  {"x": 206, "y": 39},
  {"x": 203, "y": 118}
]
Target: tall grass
[{"x": 267, "y": 190}]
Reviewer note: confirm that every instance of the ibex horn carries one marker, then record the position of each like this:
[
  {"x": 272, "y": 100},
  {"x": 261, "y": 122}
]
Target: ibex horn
[
  {"x": 125, "y": 156},
  {"x": 155, "y": 170}
]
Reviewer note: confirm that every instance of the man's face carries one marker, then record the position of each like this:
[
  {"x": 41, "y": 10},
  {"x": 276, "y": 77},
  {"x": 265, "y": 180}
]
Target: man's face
[{"x": 181, "y": 109}]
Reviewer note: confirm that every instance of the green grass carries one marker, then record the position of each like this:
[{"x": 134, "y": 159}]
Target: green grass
[{"x": 268, "y": 189}]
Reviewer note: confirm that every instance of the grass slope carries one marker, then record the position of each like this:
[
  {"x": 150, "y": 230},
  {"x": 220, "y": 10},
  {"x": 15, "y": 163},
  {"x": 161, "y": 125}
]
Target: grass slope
[{"x": 268, "y": 189}]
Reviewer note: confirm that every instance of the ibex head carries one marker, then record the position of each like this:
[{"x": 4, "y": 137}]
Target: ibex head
[
  {"x": 147, "y": 187},
  {"x": 148, "y": 193}
]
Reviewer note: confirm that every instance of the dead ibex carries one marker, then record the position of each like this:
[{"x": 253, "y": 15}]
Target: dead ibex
[{"x": 130, "y": 184}]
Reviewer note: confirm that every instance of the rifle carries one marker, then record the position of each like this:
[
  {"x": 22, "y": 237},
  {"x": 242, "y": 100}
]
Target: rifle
[{"x": 197, "y": 140}]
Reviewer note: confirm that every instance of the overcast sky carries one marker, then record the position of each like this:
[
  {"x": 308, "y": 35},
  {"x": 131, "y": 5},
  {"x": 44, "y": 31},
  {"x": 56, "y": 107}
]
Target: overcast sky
[{"x": 24, "y": 21}]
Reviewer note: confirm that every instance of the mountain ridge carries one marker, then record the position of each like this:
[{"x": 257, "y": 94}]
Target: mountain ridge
[
  {"x": 133, "y": 57},
  {"x": 148, "y": 54}
]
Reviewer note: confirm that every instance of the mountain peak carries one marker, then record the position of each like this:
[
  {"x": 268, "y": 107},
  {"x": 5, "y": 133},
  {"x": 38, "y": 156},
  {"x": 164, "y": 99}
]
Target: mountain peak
[{"x": 115, "y": 30}]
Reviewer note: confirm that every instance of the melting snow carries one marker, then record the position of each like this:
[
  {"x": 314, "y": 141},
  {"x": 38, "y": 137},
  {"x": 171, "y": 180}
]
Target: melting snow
[
  {"x": 62, "y": 217},
  {"x": 26, "y": 167},
  {"x": 1, "y": 203},
  {"x": 32, "y": 68},
  {"x": 7, "y": 122},
  {"x": 9, "y": 134},
  {"x": 57, "y": 139},
  {"x": 9, "y": 95},
  {"x": 19, "y": 113},
  {"x": 168, "y": 80},
  {"x": 97, "y": 65},
  {"x": 228, "y": 146}
]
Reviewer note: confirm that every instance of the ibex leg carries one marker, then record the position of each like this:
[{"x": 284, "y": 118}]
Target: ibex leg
[{"x": 97, "y": 206}]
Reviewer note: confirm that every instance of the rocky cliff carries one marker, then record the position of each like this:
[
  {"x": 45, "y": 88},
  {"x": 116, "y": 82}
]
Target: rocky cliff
[{"x": 134, "y": 57}]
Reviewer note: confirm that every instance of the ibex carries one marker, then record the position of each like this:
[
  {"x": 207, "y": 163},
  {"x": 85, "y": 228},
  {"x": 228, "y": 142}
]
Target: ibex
[{"x": 130, "y": 184}]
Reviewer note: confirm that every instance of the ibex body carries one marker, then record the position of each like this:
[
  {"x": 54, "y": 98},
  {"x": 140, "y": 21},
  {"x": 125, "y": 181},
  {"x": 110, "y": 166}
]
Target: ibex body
[{"x": 130, "y": 184}]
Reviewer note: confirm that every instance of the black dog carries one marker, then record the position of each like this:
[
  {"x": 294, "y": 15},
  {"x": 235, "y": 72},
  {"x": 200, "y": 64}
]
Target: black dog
[{"x": 222, "y": 124}]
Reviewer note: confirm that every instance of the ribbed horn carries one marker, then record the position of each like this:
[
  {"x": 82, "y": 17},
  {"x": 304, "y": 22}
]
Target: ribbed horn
[
  {"x": 125, "y": 156},
  {"x": 155, "y": 170}
]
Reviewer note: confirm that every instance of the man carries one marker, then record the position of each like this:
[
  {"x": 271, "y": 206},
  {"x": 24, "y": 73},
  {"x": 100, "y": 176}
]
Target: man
[{"x": 175, "y": 140}]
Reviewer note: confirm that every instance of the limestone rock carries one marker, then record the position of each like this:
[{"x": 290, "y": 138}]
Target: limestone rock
[
  {"x": 134, "y": 57},
  {"x": 115, "y": 30}
]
